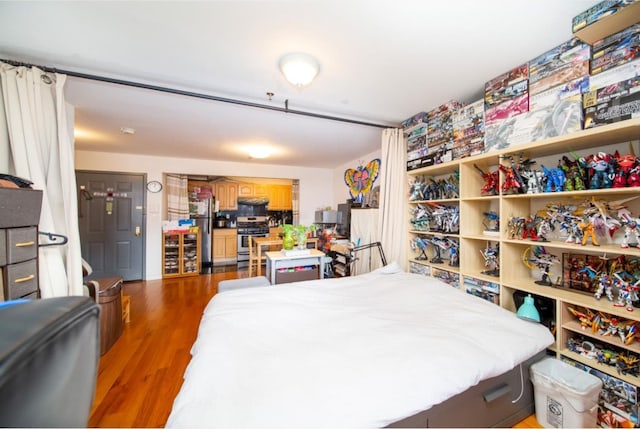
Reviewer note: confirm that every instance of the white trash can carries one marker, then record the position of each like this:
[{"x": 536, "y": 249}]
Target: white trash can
[{"x": 565, "y": 396}]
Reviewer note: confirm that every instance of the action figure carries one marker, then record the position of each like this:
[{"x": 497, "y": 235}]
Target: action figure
[
  {"x": 602, "y": 170},
  {"x": 543, "y": 261},
  {"x": 588, "y": 231},
  {"x": 627, "y": 293},
  {"x": 491, "y": 260},
  {"x": 490, "y": 186},
  {"x": 555, "y": 179},
  {"x": 605, "y": 285},
  {"x": 630, "y": 228}
]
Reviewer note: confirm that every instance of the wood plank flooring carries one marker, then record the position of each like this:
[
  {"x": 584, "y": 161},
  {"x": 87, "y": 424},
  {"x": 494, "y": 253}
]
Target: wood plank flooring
[{"x": 139, "y": 377}]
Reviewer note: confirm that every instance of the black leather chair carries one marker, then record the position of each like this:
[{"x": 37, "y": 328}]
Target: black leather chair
[{"x": 49, "y": 354}]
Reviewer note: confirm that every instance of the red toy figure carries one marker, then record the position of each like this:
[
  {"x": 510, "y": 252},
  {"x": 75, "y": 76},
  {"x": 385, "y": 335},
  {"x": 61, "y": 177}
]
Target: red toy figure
[
  {"x": 511, "y": 184},
  {"x": 490, "y": 186}
]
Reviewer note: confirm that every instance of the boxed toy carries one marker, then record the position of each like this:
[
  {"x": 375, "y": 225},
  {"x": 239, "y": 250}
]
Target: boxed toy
[
  {"x": 598, "y": 12},
  {"x": 482, "y": 288},
  {"x": 559, "y": 119},
  {"x": 619, "y": 109},
  {"x": 468, "y": 130},
  {"x": 563, "y": 74},
  {"x": 616, "y": 74},
  {"x": 571, "y": 52},
  {"x": 508, "y": 109},
  {"x": 623, "y": 53},
  {"x": 415, "y": 268},
  {"x": 611, "y": 92},
  {"x": 418, "y": 118},
  {"x": 554, "y": 95},
  {"x": 615, "y": 41},
  {"x": 511, "y": 84}
]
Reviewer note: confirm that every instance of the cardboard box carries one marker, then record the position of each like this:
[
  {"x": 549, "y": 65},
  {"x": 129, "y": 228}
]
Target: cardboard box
[
  {"x": 598, "y": 12},
  {"x": 562, "y": 118},
  {"x": 611, "y": 92},
  {"x": 620, "y": 40},
  {"x": 617, "y": 74},
  {"x": 507, "y": 109},
  {"x": 573, "y": 51},
  {"x": 509, "y": 85},
  {"x": 566, "y": 73},
  {"x": 615, "y": 58},
  {"x": 619, "y": 109},
  {"x": 554, "y": 95},
  {"x": 418, "y": 118}
]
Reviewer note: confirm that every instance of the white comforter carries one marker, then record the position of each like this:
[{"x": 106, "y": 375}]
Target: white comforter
[{"x": 355, "y": 352}]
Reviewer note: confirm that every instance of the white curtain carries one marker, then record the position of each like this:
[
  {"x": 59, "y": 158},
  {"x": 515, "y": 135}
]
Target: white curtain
[
  {"x": 38, "y": 141},
  {"x": 177, "y": 197},
  {"x": 393, "y": 199}
]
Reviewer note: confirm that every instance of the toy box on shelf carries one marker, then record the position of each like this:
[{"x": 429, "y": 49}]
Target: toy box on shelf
[
  {"x": 615, "y": 50},
  {"x": 416, "y": 268},
  {"x": 440, "y": 136},
  {"x": 450, "y": 278},
  {"x": 616, "y": 110},
  {"x": 417, "y": 143},
  {"x": 484, "y": 289},
  {"x": 598, "y": 12},
  {"x": 468, "y": 130}
]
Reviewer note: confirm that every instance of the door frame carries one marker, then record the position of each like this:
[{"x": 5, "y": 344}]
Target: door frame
[{"x": 144, "y": 207}]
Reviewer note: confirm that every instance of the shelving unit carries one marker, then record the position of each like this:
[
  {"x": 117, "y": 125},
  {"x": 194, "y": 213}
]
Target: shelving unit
[
  {"x": 180, "y": 254},
  {"x": 514, "y": 274}
]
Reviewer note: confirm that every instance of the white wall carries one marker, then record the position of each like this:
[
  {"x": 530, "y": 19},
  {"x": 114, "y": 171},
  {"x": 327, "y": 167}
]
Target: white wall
[
  {"x": 340, "y": 188},
  {"x": 316, "y": 186}
]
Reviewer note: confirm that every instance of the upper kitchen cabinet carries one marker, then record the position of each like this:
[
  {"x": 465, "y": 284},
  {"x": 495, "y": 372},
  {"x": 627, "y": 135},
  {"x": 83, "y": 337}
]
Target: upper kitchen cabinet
[
  {"x": 227, "y": 195},
  {"x": 252, "y": 190},
  {"x": 280, "y": 197}
]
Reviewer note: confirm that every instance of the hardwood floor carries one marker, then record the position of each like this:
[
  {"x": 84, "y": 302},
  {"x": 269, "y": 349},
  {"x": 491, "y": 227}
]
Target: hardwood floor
[{"x": 139, "y": 377}]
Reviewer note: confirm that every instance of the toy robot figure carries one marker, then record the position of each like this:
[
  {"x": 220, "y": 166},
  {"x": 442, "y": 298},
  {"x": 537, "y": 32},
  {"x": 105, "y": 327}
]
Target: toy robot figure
[
  {"x": 602, "y": 172},
  {"x": 511, "y": 184},
  {"x": 515, "y": 227},
  {"x": 605, "y": 285},
  {"x": 491, "y": 221},
  {"x": 588, "y": 231},
  {"x": 530, "y": 229},
  {"x": 625, "y": 164},
  {"x": 420, "y": 244},
  {"x": 490, "y": 186},
  {"x": 627, "y": 293},
  {"x": 535, "y": 179},
  {"x": 572, "y": 228},
  {"x": 630, "y": 228},
  {"x": 555, "y": 179},
  {"x": 490, "y": 255},
  {"x": 574, "y": 173},
  {"x": 543, "y": 261},
  {"x": 543, "y": 228}
]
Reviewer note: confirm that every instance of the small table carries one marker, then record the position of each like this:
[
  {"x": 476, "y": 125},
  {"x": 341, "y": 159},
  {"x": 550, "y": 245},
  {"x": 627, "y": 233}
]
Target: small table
[
  {"x": 271, "y": 241},
  {"x": 277, "y": 260}
]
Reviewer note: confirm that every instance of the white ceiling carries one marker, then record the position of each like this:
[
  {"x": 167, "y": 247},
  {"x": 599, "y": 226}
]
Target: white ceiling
[{"x": 381, "y": 62}]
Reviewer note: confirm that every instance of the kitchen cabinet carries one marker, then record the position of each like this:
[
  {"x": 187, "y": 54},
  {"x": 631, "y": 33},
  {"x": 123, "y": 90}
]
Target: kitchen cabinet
[
  {"x": 252, "y": 190},
  {"x": 227, "y": 195},
  {"x": 225, "y": 245},
  {"x": 180, "y": 253},
  {"x": 280, "y": 197}
]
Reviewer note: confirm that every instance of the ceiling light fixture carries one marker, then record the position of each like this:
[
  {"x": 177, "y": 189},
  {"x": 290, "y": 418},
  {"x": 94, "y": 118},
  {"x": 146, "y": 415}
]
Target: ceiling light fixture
[
  {"x": 127, "y": 130},
  {"x": 299, "y": 68},
  {"x": 259, "y": 152}
]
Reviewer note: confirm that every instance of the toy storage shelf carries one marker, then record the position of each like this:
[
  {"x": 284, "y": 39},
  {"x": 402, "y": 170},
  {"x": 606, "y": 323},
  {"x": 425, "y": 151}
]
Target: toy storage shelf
[
  {"x": 514, "y": 275},
  {"x": 180, "y": 254}
]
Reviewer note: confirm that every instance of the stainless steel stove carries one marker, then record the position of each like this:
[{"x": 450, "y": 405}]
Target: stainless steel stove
[{"x": 249, "y": 226}]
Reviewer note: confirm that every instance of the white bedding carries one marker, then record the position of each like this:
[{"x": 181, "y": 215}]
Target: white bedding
[{"x": 357, "y": 352}]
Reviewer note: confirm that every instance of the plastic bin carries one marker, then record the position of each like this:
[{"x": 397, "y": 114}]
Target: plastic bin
[{"x": 564, "y": 396}]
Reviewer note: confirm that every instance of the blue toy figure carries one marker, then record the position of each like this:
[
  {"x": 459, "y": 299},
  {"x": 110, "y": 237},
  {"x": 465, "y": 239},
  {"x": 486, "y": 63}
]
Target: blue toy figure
[{"x": 555, "y": 179}]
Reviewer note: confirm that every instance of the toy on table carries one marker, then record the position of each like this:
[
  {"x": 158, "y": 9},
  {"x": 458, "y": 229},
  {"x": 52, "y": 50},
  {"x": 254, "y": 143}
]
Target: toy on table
[
  {"x": 537, "y": 257},
  {"x": 491, "y": 259},
  {"x": 491, "y": 181}
]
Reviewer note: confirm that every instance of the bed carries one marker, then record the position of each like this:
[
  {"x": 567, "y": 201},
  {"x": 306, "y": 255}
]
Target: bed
[{"x": 386, "y": 348}]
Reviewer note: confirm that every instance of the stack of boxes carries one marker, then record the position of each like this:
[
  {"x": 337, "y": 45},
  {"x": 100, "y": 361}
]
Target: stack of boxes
[
  {"x": 567, "y": 88},
  {"x": 614, "y": 89},
  {"x": 440, "y": 135},
  {"x": 505, "y": 97},
  {"x": 468, "y": 130}
]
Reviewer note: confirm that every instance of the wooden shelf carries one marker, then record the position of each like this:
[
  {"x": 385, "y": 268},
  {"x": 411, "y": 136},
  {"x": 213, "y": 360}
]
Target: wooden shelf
[{"x": 612, "y": 24}]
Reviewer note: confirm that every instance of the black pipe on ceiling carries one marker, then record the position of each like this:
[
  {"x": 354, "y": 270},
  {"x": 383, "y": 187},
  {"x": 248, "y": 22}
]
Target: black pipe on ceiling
[{"x": 196, "y": 94}]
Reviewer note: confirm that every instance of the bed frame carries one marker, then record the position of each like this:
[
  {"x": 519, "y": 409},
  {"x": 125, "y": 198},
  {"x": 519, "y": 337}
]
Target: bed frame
[{"x": 488, "y": 404}]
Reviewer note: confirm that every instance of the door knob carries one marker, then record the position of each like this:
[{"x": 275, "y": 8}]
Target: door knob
[{"x": 138, "y": 231}]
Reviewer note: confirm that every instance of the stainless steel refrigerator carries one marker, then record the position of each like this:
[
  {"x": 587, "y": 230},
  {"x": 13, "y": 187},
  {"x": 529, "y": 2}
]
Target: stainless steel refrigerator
[{"x": 205, "y": 223}]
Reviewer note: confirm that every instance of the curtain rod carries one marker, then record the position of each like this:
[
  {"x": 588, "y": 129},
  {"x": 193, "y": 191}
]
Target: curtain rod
[{"x": 196, "y": 94}]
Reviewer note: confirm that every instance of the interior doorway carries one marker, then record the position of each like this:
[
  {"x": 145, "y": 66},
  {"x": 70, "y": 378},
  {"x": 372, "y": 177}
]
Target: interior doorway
[{"x": 111, "y": 218}]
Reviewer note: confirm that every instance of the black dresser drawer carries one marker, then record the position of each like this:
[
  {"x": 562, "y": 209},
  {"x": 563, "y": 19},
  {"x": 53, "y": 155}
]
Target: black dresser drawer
[{"x": 20, "y": 279}]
